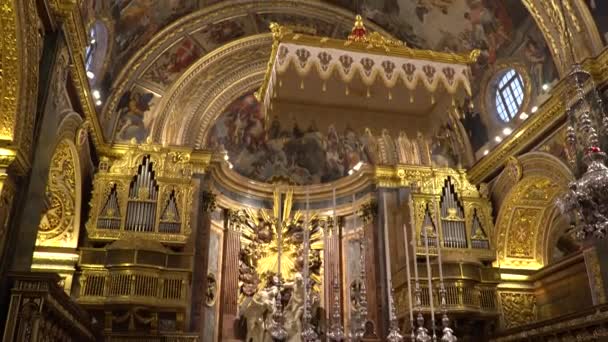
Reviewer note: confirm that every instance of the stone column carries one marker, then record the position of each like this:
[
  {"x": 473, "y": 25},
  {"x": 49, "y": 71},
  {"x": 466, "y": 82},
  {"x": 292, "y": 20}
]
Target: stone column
[
  {"x": 201, "y": 260},
  {"x": 230, "y": 276}
]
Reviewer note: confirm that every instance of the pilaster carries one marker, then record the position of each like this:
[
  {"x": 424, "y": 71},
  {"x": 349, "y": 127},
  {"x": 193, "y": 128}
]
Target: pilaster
[{"x": 230, "y": 276}]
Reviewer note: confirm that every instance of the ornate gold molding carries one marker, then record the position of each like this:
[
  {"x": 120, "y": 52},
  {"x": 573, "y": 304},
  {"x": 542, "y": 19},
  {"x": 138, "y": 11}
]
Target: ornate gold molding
[
  {"x": 9, "y": 60},
  {"x": 20, "y": 51}
]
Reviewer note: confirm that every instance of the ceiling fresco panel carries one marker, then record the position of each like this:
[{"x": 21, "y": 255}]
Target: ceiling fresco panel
[
  {"x": 173, "y": 62},
  {"x": 303, "y": 24},
  {"x": 136, "y": 114},
  {"x": 217, "y": 34}
]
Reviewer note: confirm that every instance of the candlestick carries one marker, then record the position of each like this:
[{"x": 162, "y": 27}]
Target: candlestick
[
  {"x": 362, "y": 291},
  {"x": 308, "y": 333},
  {"x": 408, "y": 275},
  {"x": 336, "y": 332},
  {"x": 428, "y": 271},
  {"x": 387, "y": 255},
  {"x": 393, "y": 334},
  {"x": 277, "y": 330},
  {"x": 421, "y": 333},
  {"x": 448, "y": 333}
]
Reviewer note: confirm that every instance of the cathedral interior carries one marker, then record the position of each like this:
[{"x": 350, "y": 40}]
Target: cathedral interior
[{"x": 303, "y": 170}]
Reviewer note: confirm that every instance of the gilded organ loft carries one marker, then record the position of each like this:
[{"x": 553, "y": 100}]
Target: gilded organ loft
[{"x": 286, "y": 170}]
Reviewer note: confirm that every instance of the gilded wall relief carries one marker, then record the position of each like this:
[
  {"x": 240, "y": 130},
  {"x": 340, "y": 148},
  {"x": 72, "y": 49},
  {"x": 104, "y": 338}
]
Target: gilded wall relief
[
  {"x": 522, "y": 233},
  {"x": 59, "y": 225},
  {"x": 518, "y": 308},
  {"x": 528, "y": 210}
]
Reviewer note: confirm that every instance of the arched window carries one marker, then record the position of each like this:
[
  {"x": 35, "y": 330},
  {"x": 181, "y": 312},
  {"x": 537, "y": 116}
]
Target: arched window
[
  {"x": 509, "y": 95},
  {"x": 91, "y": 48}
]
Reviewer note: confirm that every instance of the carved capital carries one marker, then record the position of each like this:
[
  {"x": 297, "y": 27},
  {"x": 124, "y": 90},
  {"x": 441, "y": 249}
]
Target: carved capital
[
  {"x": 235, "y": 220},
  {"x": 368, "y": 211},
  {"x": 208, "y": 201}
]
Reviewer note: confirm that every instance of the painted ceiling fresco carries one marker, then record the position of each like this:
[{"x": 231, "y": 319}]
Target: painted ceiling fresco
[{"x": 308, "y": 154}]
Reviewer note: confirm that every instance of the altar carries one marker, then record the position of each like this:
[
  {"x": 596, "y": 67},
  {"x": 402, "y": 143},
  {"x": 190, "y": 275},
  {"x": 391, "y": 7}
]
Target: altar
[{"x": 355, "y": 258}]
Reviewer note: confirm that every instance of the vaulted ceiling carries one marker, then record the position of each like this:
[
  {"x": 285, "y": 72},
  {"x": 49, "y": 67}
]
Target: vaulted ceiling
[{"x": 168, "y": 70}]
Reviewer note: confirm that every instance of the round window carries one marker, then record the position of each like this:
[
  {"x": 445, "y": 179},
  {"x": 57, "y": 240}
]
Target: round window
[{"x": 509, "y": 95}]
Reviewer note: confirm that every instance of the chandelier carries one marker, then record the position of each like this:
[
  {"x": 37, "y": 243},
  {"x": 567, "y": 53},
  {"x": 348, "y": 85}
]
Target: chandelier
[{"x": 587, "y": 199}]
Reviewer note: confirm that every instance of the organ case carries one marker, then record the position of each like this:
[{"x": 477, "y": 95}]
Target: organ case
[{"x": 147, "y": 192}]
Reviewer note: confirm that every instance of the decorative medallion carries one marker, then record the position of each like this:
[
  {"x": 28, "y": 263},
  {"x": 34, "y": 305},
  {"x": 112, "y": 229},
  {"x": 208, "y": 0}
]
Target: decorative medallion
[{"x": 211, "y": 293}]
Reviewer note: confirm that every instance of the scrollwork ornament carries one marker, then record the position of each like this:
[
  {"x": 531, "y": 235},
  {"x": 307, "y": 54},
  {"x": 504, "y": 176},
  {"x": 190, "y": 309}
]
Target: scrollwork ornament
[{"x": 58, "y": 219}]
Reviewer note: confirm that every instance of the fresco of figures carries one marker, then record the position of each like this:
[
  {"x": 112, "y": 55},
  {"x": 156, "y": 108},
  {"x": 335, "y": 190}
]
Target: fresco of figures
[
  {"x": 135, "y": 116},
  {"x": 294, "y": 152}
]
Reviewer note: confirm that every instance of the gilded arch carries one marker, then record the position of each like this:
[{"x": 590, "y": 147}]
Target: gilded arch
[{"x": 528, "y": 211}]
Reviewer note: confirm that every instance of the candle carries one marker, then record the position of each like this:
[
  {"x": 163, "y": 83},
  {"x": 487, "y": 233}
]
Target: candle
[{"x": 408, "y": 274}]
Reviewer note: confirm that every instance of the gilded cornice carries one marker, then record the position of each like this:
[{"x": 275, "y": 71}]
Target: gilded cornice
[
  {"x": 68, "y": 13},
  {"x": 548, "y": 116},
  {"x": 428, "y": 180}
]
